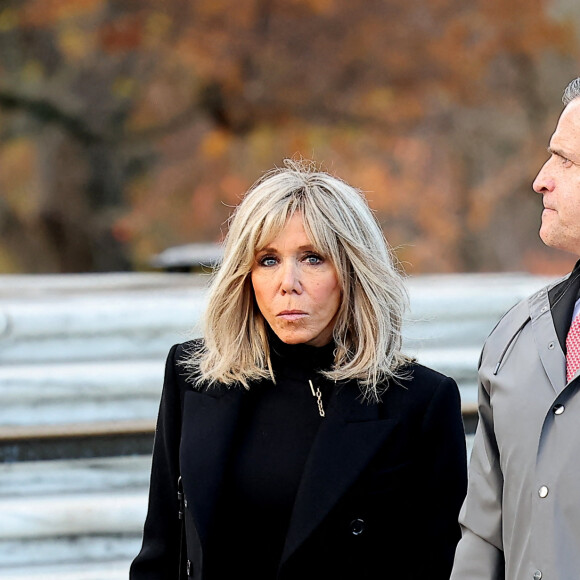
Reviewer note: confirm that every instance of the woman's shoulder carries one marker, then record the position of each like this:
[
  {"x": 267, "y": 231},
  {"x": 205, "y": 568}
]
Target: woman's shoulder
[
  {"x": 418, "y": 380},
  {"x": 182, "y": 362},
  {"x": 187, "y": 350},
  {"x": 421, "y": 373}
]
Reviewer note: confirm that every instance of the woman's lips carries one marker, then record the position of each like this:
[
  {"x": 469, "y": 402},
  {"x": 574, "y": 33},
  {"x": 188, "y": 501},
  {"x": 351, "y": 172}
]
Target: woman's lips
[{"x": 291, "y": 315}]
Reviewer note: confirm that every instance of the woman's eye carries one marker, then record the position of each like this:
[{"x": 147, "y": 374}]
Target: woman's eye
[
  {"x": 267, "y": 261},
  {"x": 313, "y": 259},
  {"x": 566, "y": 162}
]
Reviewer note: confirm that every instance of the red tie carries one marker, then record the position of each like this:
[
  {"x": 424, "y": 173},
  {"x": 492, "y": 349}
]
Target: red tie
[{"x": 573, "y": 349}]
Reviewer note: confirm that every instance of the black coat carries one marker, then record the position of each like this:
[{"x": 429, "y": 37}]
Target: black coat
[{"x": 379, "y": 495}]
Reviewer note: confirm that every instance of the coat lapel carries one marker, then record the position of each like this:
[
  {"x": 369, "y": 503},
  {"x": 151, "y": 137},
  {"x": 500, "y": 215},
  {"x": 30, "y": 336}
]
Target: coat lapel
[
  {"x": 546, "y": 341},
  {"x": 348, "y": 438},
  {"x": 209, "y": 423}
]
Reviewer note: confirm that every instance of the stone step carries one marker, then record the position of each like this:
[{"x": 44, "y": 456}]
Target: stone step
[
  {"x": 81, "y": 514},
  {"x": 74, "y": 476},
  {"x": 126, "y": 390},
  {"x": 113, "y": 570},
  {"x": 83, "y": 409},
  {"x": 76, "y": 440},
  {"x": 461, "y": 309},
  {"x": 80, "y": 391},
  {"x": 113, "y": 317},
  {"x": 90, "y": 349},
  {"x": 119, "y": 438},
  {"x": 129, "y": 316},
  {"x": 440, "y": 295},
  {"x": 60, "y": 513}
]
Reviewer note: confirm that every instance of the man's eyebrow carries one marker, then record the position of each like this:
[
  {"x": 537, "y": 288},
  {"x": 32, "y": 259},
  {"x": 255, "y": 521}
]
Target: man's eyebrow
[
  {"x": 563, "y": 155},
  {"x": 559, "y": 152}
]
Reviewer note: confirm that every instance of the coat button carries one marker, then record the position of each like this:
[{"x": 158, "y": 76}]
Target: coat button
[
  {"x": 357, "y": 527},
  {"x": 543, "y": 492},
  {"x": 537, "y": 575},
  {"x": 558, "y": 409}
]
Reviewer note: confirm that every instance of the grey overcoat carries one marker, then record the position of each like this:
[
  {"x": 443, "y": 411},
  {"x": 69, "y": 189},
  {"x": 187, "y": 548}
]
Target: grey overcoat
[{"x": 521, "y": 517}]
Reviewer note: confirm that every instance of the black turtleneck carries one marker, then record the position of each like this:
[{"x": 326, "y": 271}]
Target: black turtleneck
[{"x": 277, "y": 425}]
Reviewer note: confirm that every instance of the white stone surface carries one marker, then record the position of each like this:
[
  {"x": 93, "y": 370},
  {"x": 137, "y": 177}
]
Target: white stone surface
[
  {"x": 46, "y": 515},
  {"x": 59, "y": 381},
  {"x": 106, "y": 390},
  {"x": 71, "y": 318},
  {"x": 461, "y": 309},
  {"x": 42, "y": 553},
  {"x": 467, "y": 294},
  {"x": 56, "y": 513},
  {"x": 68, "y": 477},
  {"x": 117, "y": 570},
  {"x": 92, "y": 347}
]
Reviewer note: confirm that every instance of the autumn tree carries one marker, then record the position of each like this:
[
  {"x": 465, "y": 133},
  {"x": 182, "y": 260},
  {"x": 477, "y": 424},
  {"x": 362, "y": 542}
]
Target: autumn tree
[{"x": 128, "y": 126}]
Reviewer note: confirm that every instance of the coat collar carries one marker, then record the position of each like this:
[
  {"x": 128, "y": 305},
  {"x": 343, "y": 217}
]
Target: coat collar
[
  {"x": 562, "y": 298},
  {"x": 550, "y": 313}
]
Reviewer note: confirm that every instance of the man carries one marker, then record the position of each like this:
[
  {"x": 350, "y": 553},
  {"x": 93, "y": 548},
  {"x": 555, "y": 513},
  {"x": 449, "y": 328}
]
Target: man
[{"x": 521, "y": 517}]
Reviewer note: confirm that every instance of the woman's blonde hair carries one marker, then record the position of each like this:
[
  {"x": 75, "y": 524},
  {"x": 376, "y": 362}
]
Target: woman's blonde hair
[{"x": 340, "y": 225}]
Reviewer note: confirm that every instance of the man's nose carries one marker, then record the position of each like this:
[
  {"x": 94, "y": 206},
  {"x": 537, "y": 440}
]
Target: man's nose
[{"x": 544, "y": 182}]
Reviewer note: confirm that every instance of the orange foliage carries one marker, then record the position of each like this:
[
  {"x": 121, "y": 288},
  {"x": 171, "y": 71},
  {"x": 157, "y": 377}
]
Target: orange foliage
[
  {"x": 438, "y": 110},
  {"x": 48, "y": 13},
  {"x": 122, "y": 34}
]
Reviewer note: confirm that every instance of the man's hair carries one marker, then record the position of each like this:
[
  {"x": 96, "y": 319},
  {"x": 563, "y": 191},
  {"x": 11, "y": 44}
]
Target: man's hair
[
  {"x": 341, "y": 226},
  {"x": 571, "y": 92}
]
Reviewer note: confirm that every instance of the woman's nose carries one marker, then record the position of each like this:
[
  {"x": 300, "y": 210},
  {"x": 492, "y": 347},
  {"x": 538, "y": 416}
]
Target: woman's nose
[{"x": 290, "y": 279}]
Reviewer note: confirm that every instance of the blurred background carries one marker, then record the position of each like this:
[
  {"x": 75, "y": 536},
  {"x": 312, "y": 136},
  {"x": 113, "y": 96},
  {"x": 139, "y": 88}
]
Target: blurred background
[{"x": 130, "y": 126}]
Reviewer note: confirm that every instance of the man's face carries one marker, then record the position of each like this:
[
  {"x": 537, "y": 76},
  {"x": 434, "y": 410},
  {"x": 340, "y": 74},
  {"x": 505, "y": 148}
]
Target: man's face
[{"x": 559, "y": 183}]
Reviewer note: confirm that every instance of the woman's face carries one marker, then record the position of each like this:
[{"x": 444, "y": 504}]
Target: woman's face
[{"x": 296, "y": 288}]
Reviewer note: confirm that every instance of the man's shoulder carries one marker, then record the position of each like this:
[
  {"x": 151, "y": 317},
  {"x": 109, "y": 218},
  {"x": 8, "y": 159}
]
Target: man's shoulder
[
  {"x": 516, "y": 319},
  {"x": 521, "y": 311}
]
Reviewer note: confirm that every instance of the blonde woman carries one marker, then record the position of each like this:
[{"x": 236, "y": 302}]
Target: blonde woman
[{"x": 296, "y": 439}]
